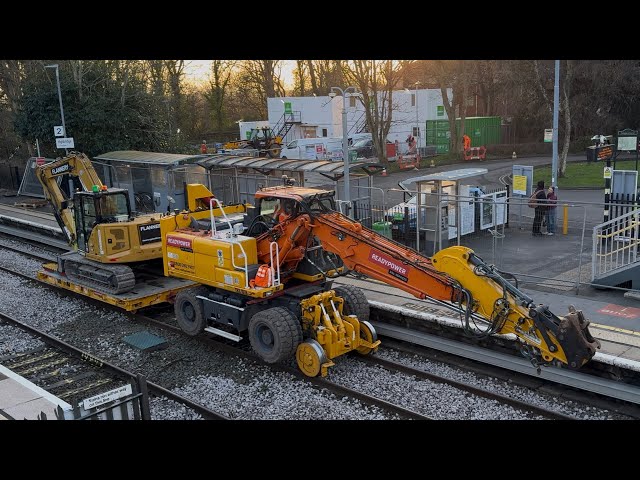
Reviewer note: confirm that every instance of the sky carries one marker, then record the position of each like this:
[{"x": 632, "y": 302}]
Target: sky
[{"x": 197, "y": 71}]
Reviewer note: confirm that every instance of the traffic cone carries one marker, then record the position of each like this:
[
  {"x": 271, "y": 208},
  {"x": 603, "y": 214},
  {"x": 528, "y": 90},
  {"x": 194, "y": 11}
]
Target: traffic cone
[
  {"x": 513, "y": 155},
  {"x": 384, "y": 172}
]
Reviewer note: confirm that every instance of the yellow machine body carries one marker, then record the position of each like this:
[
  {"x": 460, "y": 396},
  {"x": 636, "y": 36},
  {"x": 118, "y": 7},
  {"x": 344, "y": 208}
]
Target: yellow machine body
[
  {"x": 488, "y": 301},
  {"x": 336, "y": 333},
  {"x": 221, "y": 259}
]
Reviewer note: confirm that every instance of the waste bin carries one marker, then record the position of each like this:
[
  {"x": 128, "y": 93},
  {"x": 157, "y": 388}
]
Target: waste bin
[
  {"x": 591, "y": 153},
  {"x": 382, "y": 228}
]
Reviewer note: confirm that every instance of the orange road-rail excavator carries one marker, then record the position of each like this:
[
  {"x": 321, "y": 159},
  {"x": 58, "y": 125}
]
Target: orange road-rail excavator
[{"x": 271, "y": 277}]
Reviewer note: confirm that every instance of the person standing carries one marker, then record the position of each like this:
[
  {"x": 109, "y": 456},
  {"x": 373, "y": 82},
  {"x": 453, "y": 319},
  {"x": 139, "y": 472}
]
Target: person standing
[
  {"x": 541, "y": 208},
  {"x": 203, "y": 147},
  {"x": 552, "y": 203},
  {"x": 466, "y": 142}
]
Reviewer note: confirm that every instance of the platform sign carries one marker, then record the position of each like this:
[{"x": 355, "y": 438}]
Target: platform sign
[
  {"x": 58, "y": 131},
  {"x": 106, "y": 397},
  {"x": 627, "y": 140},
  {"x": 520, "y": 184},
  {"x": 604, "y": 152},
  {"x": 525, "y": 171},
  {"x": 65, "y": 143},
  {"x": 548, "y": 135}
]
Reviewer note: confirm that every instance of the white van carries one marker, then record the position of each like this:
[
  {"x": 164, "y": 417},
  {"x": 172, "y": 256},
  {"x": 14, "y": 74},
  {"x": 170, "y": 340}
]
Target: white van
[
  {"x": 321, "y": 148},
  {"x": 359, "y": 136}
]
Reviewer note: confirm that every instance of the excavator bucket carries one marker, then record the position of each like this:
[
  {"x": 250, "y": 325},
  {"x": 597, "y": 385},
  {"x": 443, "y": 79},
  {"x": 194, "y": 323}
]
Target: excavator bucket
[{"x": 575, "y": 338}]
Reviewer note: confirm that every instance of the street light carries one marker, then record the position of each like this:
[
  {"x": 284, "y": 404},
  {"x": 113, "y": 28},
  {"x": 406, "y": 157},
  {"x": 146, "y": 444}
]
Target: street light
[
  {"x": 345, "y": 143},
  {"x": 64, "y": 127},
  {"x": 417, "y": 124}
]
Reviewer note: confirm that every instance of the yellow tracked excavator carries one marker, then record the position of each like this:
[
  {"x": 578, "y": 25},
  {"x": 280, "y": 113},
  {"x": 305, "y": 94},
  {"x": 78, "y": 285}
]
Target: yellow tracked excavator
[{"x": 106, "y": 238}]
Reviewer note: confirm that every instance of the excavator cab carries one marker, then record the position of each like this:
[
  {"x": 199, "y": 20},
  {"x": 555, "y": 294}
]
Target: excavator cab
[{"x": 97, "y": 207}]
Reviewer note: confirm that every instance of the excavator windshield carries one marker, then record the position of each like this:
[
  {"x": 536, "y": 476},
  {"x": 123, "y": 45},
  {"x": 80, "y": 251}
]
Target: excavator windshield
[
  {"x": 112, "y": 207},
  {"x": 321, "y": 203},
  {"x": 92, "y": 209}
]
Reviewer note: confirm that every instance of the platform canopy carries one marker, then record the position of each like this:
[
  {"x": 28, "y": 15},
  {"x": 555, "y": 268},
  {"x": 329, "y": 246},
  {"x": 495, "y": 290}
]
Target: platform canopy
[
  {"x": 451, "y": 175},
  {"x": 148, "y": 158},
  {"x": 331, "y": 170}
]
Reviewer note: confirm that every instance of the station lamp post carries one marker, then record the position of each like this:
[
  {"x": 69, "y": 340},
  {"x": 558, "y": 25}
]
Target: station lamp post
[
  {"x": 64, "y": 127},
  {"x": 345, "y": 142}
]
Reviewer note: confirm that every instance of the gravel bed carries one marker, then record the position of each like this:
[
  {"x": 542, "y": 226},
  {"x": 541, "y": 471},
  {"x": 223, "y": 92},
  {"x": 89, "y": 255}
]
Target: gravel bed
[
  {"x": 14, "y": 340},
  {"x": 15, "y": 261},
  {"x": 25, "y": 247},
  {"x": 436, "y": 400},
  {"x": 268, "y": 395},
  {"x": 243, "y": 389},
  {"x": 164, "y": 409},
  {"x": 500, "y": 386}
]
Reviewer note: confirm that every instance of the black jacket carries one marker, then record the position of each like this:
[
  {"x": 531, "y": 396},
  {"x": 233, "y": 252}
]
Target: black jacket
[{"x": 541, "y": 195}]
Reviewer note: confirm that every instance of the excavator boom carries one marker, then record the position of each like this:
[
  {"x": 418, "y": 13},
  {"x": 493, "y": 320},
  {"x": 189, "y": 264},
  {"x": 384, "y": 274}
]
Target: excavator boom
[
  {"x": 77, "y": 165},
  {"x": 455, "y": 277}
]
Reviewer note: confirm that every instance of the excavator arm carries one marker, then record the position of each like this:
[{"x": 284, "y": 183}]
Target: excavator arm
[
  {"x": 77, "y": 165},
  {"x": 454, "y": 277}
]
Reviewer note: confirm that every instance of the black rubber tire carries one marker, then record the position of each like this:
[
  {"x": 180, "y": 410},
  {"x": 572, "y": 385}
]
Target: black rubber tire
[
  {"x": 190, "y": 311},
  {"x": 274, "y": 150},
  {"x": 275, "y": 334},
  {"x": 355, "y": 302}
]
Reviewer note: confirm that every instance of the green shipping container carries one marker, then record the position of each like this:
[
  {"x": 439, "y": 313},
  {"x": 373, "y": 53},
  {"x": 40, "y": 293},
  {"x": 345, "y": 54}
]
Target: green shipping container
[
  {"x": 438, "y": 135},
  {"x": 483, "y": 131}
]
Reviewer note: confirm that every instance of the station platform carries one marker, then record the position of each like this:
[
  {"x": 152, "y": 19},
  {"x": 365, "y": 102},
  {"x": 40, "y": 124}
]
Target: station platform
[{"x": 22, "y": 400}]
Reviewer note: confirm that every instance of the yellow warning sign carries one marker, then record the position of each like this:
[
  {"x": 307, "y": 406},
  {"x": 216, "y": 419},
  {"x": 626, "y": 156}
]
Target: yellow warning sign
[
  {"x": 607, "y": 172},
  {"x": 520, "y": 184}
]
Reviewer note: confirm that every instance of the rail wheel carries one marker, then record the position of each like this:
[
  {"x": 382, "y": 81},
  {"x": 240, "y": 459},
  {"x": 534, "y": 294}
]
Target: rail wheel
[
  {"x": 368, "y": 333},
  {"x": 355, "y": 303},
  {"x": 310, "y": 356},
  {"x": 274, "y": 334},
  {"x": 189, "y": 310}
]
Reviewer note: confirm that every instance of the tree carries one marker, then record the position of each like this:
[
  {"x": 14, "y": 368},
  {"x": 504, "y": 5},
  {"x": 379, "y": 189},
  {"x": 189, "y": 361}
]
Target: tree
[
  {"x": 114, "y": 113},
  {"x": 217, "y": 89},
  {"x": 12, "y": 75},
  {"x": 454, "y": 74},
  {"x": 259, "y": 80},
  {"x": 376, "y": 81}
]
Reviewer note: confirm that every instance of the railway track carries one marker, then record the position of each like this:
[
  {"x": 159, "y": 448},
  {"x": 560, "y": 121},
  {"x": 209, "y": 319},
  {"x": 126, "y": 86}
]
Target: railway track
[
  {"x": 72, "y": 374},
  {"x": 340, "y": 390},
  {"x": 393, "y": 366}
]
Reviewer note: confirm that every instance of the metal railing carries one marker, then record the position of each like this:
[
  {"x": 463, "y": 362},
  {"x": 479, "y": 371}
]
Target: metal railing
[{"x": 615, "y": 244}]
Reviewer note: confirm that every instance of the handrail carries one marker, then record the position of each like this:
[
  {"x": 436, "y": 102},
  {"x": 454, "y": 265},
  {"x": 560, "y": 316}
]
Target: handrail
[
  {"x": 213, "y": 223},
  {"x": 276, "y": 273},
  {"x": 607, "y": 255},
  {"x": 233, "y": 242}
]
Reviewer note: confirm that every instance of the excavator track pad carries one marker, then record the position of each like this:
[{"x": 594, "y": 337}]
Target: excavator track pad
[{"x": 112, "y": 279}]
